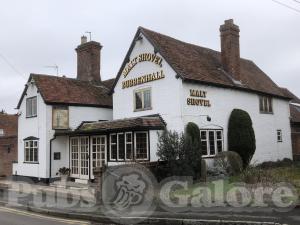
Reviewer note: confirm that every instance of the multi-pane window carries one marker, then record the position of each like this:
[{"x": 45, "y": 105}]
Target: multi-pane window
[
  {"x": 141, "y": 145},
  {"x": 142, "y": 99},
  {"x": 31, "y": 151},
  {"x": 265, "y": 104},
  {"x": 75, "y": 155},
  {"x": 1, "y": 132},
  {"x": 211, "y": 142},
  {"x": 31, "y": 107},
  {"x": 279, "y": 135},
  {"x": 121, "y": 146}
]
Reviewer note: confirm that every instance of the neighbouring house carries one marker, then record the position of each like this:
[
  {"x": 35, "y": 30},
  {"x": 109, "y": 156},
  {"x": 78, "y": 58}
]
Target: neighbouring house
[
  {"x": 8, "y": 143},
  {"x": 51, "y": 104},
  {"x": 295, "y": 122},
  {"x": 163, "y": 83}
]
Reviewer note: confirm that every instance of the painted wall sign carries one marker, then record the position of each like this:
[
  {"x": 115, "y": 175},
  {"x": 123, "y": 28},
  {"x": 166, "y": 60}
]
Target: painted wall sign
[
  {"x": 198, "y": 98},
  {"x": 144, "y": 57},
  {"x": 143, "y": 79}
]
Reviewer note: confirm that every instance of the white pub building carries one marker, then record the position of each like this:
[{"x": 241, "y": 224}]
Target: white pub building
[{"x": 163, "y": 83}]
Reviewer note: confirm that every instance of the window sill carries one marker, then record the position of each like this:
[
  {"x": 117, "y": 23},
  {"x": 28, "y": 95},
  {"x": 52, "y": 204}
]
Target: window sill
[
  {"x": 27, "y": 117},
  {"x": 31, "y": 162},
  {"x": 140, "y": 110},
  {"x": 268, "y": 113}
]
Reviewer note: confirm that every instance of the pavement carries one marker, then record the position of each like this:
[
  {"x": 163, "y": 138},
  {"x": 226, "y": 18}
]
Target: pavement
[{"x": 86, "y": 209}]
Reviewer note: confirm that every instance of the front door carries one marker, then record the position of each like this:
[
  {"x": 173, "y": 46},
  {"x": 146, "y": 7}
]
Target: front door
[
  {"x": 80, "y": 157},
  {"x": 98, "y": 156}
]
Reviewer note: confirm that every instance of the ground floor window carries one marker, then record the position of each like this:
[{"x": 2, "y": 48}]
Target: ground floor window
[
  {"x": 121, "y": 146},
  {"x": 211, "y": 142},
  {"x": 31, "y": 151}
]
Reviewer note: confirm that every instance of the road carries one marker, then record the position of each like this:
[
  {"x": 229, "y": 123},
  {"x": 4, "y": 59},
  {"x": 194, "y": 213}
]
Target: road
[{"x": 17, "y": 217}]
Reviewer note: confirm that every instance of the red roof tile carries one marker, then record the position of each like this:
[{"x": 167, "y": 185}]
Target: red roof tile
[
  {"x": 61, "y": 90},
  {"x": 199, "y": 64}
]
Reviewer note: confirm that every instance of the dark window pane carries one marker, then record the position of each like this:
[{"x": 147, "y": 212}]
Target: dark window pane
[
  {"x": 261, "y": 104},
  {"x": 204, "y": 147},
  {"x": 212, "y": 142},
  {"x": 141, "y": 145},
  {"x": 121, "y": 144},
  {"x": 270, "y": 105},
  {"x": 138, "y": 100},
  {"x": 129, "y": 151},
  {"x": 147, "y": 99}
]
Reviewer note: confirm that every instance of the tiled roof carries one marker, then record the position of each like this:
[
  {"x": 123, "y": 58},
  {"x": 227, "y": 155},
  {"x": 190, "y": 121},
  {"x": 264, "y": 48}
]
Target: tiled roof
[
  {"x": 295, "y": 113},
  {"x": 199, "y": 64},
  {"x": 289, "y": 94},
  {"x": 9, "y": 123},
  {"x": 154, "y": 122},
  {"x": 62, "y": 90},
  {"x": 132, "y": 123}
]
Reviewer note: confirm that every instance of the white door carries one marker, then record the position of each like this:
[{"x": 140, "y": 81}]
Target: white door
[
  {"x": 80, "y": 157},
  {"x": 98, "y": 156}
]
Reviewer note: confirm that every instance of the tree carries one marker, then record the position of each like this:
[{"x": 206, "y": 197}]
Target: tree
[
  {"x": 241, "y": 136},
  {"x": 182, "y": 153}
]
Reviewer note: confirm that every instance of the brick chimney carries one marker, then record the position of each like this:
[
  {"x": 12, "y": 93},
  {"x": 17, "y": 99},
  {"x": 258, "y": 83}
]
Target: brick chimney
[
  {"x": 230, "y": 48},
  {"x": 88, "y": 60}
]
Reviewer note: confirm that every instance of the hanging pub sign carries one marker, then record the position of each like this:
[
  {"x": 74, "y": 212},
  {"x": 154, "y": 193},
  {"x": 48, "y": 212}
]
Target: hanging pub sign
[{"x": 198, "y": 98}]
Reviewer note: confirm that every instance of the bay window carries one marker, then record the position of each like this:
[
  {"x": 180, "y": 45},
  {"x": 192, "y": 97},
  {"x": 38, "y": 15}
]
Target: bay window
[
  {"x": 211, "y": 142},
  {"x": 127, "y": 146}
]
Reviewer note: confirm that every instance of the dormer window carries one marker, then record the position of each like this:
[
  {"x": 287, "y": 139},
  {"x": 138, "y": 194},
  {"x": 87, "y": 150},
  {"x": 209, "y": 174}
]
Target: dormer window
[
  {"x": 265, "y": 104},
  {"x": 31, "y": 107}
]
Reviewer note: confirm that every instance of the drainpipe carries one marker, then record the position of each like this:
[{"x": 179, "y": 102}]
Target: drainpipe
[{"x": 52, "y": 139}]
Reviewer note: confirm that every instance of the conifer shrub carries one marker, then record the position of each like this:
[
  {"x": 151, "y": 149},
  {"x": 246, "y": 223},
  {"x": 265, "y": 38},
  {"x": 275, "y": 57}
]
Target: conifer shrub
[{"x": 241, "y": 137}]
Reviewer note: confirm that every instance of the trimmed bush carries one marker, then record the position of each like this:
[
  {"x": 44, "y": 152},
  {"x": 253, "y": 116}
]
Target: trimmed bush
[
  {"x": 241, "y": 137},
  {"x": 230, "y": 163},
  {"x": 181, "y": 153}
]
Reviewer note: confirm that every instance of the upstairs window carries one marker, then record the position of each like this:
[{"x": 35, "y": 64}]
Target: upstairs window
[
  {"x": 31, "y": 107},
  {"x": 1, "y": 132},
  {"x": 279, "y": 135},
  {"x": 142, "y": 99},
  {"x": 265, "y": 104}
]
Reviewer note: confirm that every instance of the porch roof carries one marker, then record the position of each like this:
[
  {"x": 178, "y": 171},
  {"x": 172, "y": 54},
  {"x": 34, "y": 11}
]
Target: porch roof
[{"x": 153, "y": 122}]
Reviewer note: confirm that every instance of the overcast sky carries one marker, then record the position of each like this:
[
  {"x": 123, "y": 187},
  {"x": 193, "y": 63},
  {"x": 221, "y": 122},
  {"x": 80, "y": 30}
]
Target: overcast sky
[{"x": 36, "y": 34}]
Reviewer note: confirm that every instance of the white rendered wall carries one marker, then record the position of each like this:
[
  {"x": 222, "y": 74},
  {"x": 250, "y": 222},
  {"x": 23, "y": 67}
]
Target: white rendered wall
[
  {"x": 36, "y": 127},
  {"x": 41, "y": 127},
  {"x": 165, "y": 92},
  {"x": 223, "y": 101}
]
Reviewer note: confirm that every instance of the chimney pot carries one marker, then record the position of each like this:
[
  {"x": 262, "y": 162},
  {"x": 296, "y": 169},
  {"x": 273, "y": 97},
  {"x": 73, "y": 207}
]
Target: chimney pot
[
  {"x": 83, "y": 39},
  {"x": 230, "y": 48}
]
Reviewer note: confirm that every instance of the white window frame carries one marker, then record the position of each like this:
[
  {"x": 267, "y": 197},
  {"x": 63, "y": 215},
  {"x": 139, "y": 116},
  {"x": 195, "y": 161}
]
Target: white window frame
[
  {"x": 147, "y": 145},
  {"x": 215, "y": 141},
  {"x": 31, "y": 107},
  {"x": 143, "y": 90},
  {"x": 279, "y": 136},
  {"x": 2, "y": 133},
  {"x": 110, "y": 147},
  {"x": 28, "y": 148},
  {"x": 132, "y": 148},
  {"x": 267, "y": 106}
]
